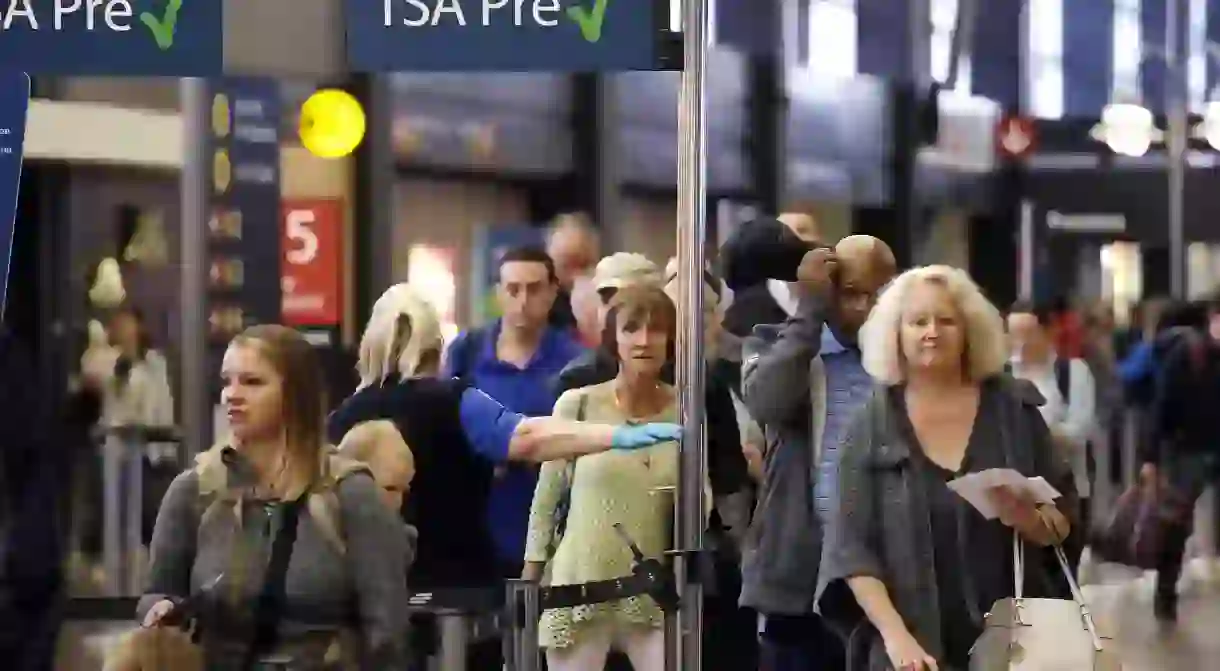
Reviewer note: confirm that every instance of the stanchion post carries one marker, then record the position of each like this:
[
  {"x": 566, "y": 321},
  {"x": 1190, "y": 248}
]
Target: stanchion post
[
  {"x": 686, "y": 652},
  {"x": 134, "y": 449},
  {"x": 455, "y": 638},
  {"x": 112, "y": 513},
  {"x": 196, "y": 402},
  {"x": 523, "y": 607}
]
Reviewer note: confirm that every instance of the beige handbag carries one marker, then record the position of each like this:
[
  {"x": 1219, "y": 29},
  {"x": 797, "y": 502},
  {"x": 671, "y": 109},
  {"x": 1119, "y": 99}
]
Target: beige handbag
[{"x": 1023, "y": 634}]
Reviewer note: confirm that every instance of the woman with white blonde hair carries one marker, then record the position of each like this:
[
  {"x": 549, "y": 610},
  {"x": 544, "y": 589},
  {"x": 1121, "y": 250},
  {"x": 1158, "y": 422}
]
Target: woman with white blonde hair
[
  {"x": 458, "y": 435},
  {"x": 943, "y": 408}
]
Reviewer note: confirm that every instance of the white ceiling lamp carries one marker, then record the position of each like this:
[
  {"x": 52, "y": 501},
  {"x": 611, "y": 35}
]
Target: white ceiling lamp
[
  {"x": 1127, "y": 129},
  {"x": 1209, "y": 128}
]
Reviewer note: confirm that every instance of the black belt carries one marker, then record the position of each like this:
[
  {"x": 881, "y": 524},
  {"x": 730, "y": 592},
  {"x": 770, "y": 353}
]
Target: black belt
[{"x": 649, "y": 577}]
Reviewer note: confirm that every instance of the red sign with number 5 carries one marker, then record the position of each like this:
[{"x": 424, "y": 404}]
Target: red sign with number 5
[{"x": 310, "y": 261}]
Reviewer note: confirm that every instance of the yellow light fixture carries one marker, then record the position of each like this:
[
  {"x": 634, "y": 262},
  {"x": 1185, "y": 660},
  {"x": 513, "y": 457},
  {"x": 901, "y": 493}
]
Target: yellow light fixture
[{"x": 332, "y": 123}]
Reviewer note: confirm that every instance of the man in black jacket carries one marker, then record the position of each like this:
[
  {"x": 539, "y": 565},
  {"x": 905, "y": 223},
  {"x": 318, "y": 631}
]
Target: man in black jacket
[{"x": 1183, "y": 449}]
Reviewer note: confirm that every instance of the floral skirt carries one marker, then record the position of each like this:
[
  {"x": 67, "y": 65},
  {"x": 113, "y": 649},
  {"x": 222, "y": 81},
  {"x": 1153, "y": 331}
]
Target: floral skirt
[{"x": 562, "y": 627}]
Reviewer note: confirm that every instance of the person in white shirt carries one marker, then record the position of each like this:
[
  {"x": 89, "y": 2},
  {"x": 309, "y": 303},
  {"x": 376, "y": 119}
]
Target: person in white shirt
[{"x": 1067, "y": 385}]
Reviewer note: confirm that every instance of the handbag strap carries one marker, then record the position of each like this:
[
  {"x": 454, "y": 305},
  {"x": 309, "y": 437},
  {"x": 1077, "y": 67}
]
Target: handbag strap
[
  {"x": 1018, "y": 562},
  {"x": 270, "y": 607}
]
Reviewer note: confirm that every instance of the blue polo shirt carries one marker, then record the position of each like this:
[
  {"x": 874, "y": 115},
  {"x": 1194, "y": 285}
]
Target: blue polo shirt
[
  {"x": 526, "y": 391},
  {"x": 848, "y": 388}
]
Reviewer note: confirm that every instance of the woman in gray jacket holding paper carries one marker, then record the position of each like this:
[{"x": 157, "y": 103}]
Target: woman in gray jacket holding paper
[{"x": 909, "y": 567}]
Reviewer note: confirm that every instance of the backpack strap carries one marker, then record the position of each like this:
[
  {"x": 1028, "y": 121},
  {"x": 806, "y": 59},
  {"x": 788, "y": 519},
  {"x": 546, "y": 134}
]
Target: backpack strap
[
  {"x": 560, "y": 521},
  {"x": 1063, "y": 378},
  {"x": 1198, "y": 353},
  {"x": 466, "y": 357},
  {"x": 323, "y": 503}
]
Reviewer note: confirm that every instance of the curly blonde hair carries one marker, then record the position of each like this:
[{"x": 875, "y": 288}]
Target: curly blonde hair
[{"x": 986, "y": 348}]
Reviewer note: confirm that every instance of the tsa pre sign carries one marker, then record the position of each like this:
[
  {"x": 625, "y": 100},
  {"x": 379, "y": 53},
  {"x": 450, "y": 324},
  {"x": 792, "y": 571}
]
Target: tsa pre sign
[
  {"x": 311, "y": 261},
  {"x": 557, "y": 35}
]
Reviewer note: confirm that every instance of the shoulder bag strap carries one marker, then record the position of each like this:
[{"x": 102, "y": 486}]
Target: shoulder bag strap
[
  {"x": 1063, "y": 379},
  {"x": 468, "y": 356},
  {"x": 560, "y": 521},
  {"x": 270, "y": 607}
]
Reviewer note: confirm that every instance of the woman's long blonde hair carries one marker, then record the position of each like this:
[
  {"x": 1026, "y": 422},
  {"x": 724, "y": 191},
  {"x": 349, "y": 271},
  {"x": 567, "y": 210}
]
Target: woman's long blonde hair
[
  {"x": 402, "y": 336},
  {"x": 303, "y": 397}
]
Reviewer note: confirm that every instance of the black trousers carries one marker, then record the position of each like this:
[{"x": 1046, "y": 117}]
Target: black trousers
[
  {"x": 799, "y": 643},
  {"x": 1188, "y": 475}
]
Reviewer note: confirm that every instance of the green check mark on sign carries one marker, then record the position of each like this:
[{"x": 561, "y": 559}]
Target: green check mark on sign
[
  {"x": 589, "y": 21},
  {"x": 163, "y": 28}
]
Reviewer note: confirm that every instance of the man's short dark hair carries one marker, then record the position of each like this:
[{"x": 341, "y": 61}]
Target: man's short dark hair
[
  {"x": 530, "y": 254},
  {"x": 1192, "y": 314},
  {"x": 1042, "y": 312}
]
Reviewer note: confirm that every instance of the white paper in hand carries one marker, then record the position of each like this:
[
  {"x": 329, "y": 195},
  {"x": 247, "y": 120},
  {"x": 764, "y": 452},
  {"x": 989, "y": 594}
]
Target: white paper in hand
[{"x": 974, "y": 487}]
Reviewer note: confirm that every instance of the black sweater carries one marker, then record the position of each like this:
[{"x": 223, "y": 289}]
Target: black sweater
[{"x": 1186, "y": 398}]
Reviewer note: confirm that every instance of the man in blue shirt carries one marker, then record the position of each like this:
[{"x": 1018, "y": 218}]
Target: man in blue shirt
[{"x": 512, "y": 360}]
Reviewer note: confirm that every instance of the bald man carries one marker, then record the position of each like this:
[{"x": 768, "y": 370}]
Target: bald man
[
  {"x": 572, "y": 243},
  {"x": 803, "y": 381}
]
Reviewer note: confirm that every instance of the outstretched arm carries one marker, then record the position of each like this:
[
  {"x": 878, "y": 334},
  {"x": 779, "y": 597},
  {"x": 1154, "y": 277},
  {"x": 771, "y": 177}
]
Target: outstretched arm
[{"x": 502, "y": 435}]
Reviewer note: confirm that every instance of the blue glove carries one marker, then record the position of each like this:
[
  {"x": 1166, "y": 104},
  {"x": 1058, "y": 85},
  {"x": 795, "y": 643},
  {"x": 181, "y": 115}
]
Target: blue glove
[{"x": 636, "y": 436}]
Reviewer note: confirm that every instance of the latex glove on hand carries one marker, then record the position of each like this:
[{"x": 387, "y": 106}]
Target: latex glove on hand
[{"x": 636, "y": 436}]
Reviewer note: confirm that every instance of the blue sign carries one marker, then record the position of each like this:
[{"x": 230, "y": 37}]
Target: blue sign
[
  {"x": 560, "y": 35},
  {"x": 123, "y": 37},
  {"x": 14, "y": 105},
  {"x": 244, "y": 227}
]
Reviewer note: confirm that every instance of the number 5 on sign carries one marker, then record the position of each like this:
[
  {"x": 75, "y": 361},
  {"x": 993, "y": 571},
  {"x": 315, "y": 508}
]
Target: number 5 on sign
[
  {"x": 311, "y": 261},
  {"x": 301, "y": 237}
]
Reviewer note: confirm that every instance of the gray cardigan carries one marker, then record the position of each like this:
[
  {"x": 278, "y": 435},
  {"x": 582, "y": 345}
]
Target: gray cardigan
[
  {"x": 870, "y": 532},
  {"x": 352, "y": 592},
  {"x": 784, "y": 389}
]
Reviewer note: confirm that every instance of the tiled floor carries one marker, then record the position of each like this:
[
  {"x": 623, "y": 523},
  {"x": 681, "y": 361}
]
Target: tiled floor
[
  {"x": 1119, "y": 597},
  {"x": 1193, "y": 645}
]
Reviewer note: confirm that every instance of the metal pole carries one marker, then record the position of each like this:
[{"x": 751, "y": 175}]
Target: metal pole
[
  {"x": 196, "y": 402},
  {"x": 134, "y": 449},
  {"x": 112, "y": 513},
  {"x": 686, "y": 651},
  {"x": 1028, "y": 251},
  {"x": 454, "y": 641},
  {"x": 1176, "y": 141}
]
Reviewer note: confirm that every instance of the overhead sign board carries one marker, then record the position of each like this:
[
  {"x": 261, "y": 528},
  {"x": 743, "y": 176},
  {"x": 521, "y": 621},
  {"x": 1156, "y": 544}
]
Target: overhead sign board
[
  {"x": 14, "y": 106},
  {"x": 96, "y": 37},
  {"x": 311, "y": 261},
  {"x": 564, "y": 35}
]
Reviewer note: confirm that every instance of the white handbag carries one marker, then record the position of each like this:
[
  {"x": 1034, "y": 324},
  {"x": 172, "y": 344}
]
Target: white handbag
[{"x": 1022, "y": 634}]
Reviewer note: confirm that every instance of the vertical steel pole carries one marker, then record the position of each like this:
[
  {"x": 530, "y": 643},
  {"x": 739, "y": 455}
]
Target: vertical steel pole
[
  {"x": 692, "y": 236},
  {"x": 196, "y": 401},
  {"x": 1028, "y": 252},
  {"x": 1176, "y": 140}
]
